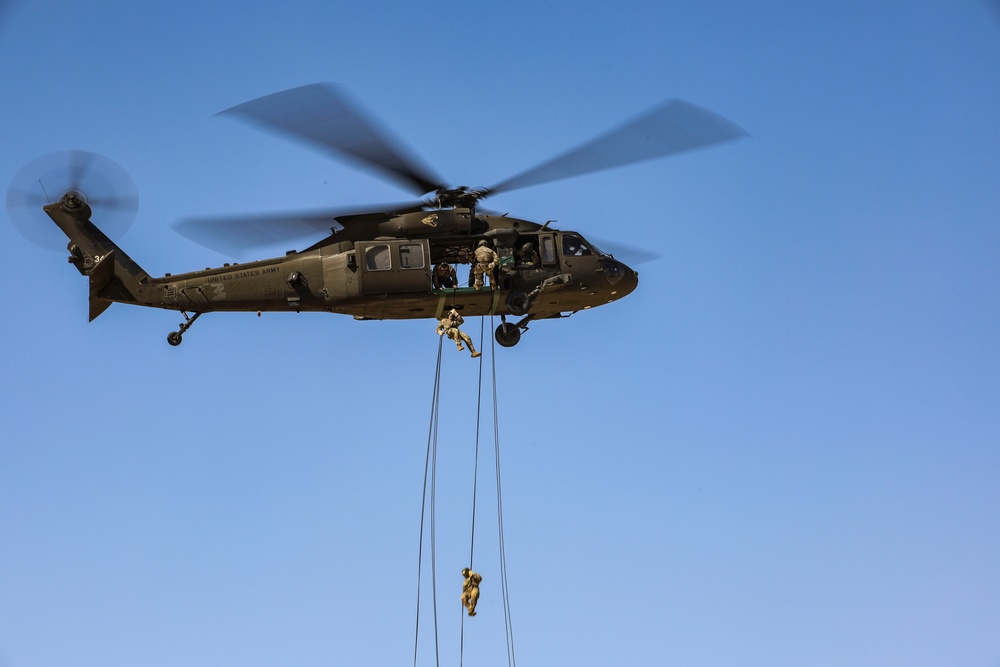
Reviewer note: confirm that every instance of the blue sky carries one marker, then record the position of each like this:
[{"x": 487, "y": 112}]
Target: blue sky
[{"x": 782, "y": 449}]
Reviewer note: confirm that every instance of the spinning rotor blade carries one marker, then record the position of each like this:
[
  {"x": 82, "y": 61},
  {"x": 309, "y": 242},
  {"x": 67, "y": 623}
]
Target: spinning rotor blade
[
  {"x": 672, "y": 127},
  {"x": 229, "y": 234},
  {"x": 631, "y": 255},
  {"x": 321, "y": 115},
  {"x": 235, "y": 234},
  {"x": 104, "y": 185},
  {"x": 79, "y": 164}
]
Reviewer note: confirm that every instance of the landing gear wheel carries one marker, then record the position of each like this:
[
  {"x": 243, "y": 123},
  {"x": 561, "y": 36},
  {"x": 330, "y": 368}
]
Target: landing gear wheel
[
  {"x": 174, "y": 337},
  {"x": 507, "y": 334},
  {"x": 518, "y": 303}
]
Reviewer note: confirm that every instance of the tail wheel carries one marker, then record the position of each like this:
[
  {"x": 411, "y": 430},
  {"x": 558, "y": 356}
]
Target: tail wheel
[
  {"x": 508, "y": 334},
  {"x": 174, "y": 338}
]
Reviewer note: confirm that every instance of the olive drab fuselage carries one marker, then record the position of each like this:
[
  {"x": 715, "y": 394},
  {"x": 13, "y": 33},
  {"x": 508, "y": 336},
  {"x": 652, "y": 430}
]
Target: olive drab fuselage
[
  {"x": 364, "y": 272},
  {"x": 391, "y": 278}
]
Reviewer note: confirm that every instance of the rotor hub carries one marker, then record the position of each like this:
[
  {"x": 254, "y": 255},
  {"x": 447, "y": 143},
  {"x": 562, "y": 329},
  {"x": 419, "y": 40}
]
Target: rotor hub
[
  {"x": 73, "y": 199},
  {"x": 460, "y": 197}
]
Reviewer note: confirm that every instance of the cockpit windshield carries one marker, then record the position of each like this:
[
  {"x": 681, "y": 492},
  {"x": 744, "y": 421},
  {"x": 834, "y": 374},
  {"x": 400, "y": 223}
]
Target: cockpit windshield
[
  {"x": 575, "y": 246},
  {"x": 597, "y": 251}
]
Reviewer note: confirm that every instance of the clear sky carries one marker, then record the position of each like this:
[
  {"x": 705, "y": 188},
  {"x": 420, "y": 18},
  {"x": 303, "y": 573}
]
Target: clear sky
[{"x": 783, "y": 449}]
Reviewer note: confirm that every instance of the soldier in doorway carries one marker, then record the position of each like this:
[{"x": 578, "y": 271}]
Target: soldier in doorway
[
  {"x": 486, "y": 264},
  {"x": 470, "y": 590},
  {"x": 449, "y": 326},
  {"x": 528, "y": 254},
  {"x": 444, "y": 276}
]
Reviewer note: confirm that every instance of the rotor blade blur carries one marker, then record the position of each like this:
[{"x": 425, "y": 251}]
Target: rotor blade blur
[
  {"x": 102, "y": 182},
  {"x": 631, "y": 255},
  {"x": 322, "y": 116},
  {"x": 670, "y": 128},
  {"x": 228, "y": 234},
  {"x": 77, "y": 167},
  {"x": 231, "y": 235}
]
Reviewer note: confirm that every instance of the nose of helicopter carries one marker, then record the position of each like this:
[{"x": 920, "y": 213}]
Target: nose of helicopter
[{"x": 621, "y": 278}]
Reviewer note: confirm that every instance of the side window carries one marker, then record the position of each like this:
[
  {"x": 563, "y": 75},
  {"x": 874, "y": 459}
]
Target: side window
[
  {"x": 411, "y": 256},
  {"x": 377, "y": 258},
  {"x": 548, "y": 250}
]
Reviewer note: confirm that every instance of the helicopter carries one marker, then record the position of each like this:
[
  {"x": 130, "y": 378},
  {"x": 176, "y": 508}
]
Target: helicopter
[{"x": 380, "y": 262}]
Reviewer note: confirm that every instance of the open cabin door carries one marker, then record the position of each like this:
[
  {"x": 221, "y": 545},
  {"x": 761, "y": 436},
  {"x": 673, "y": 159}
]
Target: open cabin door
[{"x": 394, "y": 266}]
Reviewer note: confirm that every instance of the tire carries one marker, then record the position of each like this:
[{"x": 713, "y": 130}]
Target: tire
[
  {"x": 518, "y": 303},
  {"x": 507, "y": 334},
  {"x": 174, "y": 338}
]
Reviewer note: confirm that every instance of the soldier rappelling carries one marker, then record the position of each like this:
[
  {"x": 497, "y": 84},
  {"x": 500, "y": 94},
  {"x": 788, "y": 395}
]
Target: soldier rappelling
[
  {"x": 449, "y": 326},
  {"x": 470, "y": 590}
]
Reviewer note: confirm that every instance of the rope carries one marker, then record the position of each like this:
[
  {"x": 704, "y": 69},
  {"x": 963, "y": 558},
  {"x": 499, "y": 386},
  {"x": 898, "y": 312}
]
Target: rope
[
  {"x": 475, "y": 483},
  {"x": 429, "y": 498},
  {"x": 509, "y": 632},
  {"x": 430, "y": 464},
  {"x": 475, "y": 469}
]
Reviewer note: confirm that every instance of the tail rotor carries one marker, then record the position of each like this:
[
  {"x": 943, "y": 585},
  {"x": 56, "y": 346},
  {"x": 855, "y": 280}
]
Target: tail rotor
[{"x": 96, "y": 180}]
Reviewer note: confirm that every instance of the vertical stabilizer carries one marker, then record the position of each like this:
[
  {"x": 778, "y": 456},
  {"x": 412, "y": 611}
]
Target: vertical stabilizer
[{"x": 114, "y": 276}]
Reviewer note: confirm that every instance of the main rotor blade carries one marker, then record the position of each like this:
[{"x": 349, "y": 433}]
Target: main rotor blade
[
  {"x": 234, "y": 234},
  {"x": 631, "y": 255},
  {"x": 321, "y": 115},
  {"x": 672, "y": 127}
]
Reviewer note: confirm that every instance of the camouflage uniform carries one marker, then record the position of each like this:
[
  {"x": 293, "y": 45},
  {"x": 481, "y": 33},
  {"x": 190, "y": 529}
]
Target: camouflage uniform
[
  {"x": 470, "y": 590},
  {"x": 528, "y": 254},
  {"x": 486, "y": 263},
  {"x": 444, "y": 276},
  {"x": 449, "y": 326}
]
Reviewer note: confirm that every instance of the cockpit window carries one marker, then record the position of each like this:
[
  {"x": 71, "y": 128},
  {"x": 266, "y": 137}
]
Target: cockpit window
[
  {"x": 597, "y": 251},
  {"x": 574, "y": 246}
]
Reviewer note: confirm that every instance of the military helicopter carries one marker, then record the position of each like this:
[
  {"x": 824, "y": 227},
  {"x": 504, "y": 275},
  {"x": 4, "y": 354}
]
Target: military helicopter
[{"x": 376, "y": 263}]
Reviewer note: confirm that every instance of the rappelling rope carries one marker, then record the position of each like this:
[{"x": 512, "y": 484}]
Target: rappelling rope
[
  {"x": 428, "y": 504},
  {"x": 505, "y": 593},
  {"x": 503, "y": 557},
  {"x": 475, "y": 482},
  {"x": 430, "y": 470},
  {"x": 475, "y": 469}
]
